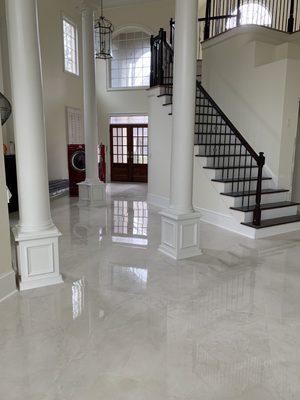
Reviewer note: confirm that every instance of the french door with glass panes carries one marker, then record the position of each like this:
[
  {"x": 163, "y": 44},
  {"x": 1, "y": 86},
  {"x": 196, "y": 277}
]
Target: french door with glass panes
[{"x": 129, "y": 153}]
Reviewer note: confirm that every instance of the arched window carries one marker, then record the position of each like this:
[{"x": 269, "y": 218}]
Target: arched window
[
  {"x": 130, "y": 65},
  {"x": 251, "y": 14}
]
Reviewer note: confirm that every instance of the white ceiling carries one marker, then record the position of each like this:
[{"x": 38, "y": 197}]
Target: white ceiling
[{"x": 118, "y": 3}]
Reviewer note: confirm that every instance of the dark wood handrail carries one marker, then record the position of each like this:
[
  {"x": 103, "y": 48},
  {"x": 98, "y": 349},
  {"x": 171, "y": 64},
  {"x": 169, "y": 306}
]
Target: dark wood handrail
[{"x": 231, "y": 125}]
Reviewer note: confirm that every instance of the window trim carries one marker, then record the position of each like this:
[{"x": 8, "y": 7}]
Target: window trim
[{"x": 64, "y": 17}]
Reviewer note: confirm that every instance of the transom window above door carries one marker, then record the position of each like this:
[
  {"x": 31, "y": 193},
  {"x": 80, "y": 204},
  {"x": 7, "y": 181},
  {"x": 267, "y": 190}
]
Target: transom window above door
[{"x": 130, "y": 65}]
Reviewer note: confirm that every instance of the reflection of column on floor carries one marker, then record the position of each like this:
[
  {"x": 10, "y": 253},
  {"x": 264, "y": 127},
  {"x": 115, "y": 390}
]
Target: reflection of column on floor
[
  {"x": 207, "y": 359},
  {"x": 82, "y": 224}
]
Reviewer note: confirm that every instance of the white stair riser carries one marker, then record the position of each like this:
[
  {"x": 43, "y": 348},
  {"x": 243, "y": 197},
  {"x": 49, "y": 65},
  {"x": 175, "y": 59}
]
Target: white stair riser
[
  {"x": 266, "y": 199},
  {"x": 216, "y": 131},
  {"x": 238, "y": 187},
  {"x": 205, "y": 139},
  {"x": 226, "y": 161},
  {"x": 266, "y": 214},
  {"x": 222, "y": 150},
  {"x": 234, "y": 173}
]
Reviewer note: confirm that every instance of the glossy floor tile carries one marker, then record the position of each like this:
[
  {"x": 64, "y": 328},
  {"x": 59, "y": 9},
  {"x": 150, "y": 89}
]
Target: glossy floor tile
[{"x": 132, "y": 324}]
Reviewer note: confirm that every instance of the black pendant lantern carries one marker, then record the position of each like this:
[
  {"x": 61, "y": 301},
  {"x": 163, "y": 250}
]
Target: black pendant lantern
[
  {"x": 103, "y": 37},
  {"x": 5, "y": 109}
]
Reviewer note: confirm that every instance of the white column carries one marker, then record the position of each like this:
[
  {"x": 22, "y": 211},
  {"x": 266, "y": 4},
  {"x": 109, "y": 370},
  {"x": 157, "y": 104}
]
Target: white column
[
  {"x": 180, "y": 224},
  {"x": 91, "y": 189},
  {"x": 36, "y": 236}
]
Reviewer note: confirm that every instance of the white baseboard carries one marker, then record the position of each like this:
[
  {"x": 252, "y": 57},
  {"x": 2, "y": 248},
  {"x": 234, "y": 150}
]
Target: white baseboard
[
  {"x": 158, "y": 201},
  {"x": 7, "y": 285},
  {"x": 226, "y": 222},
  {"x": 229, "y": 223}
]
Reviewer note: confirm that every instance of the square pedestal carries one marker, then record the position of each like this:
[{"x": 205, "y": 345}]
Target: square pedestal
[
  {"x": 180, "y": 235},
  {"x": 92, "y": 192},
  {"x": 37, "y": 258}
]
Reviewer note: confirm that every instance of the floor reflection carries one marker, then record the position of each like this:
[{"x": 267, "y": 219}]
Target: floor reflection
[
  {"x": 129, "y": 323},
  {"x": 130, "y": 222},
  {"x": 78, "y": 297}
]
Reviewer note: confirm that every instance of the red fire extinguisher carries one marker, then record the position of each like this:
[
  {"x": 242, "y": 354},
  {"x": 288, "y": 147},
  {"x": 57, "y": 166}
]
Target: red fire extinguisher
[{"x": 102, "y": 172}]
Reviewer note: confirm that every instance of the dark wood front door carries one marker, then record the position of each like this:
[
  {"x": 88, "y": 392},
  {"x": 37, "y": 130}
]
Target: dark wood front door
[{"x": 129, "y": 153}]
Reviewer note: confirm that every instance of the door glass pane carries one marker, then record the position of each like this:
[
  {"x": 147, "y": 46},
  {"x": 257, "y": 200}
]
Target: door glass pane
[
  {"x": 120, "y": 146},
  {"x": 140, "y": 145}
]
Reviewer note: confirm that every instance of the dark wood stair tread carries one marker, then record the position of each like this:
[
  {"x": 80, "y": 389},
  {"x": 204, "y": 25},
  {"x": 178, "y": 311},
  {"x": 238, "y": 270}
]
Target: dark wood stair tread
[
  {"x": 268, "y": 223},
  {"x": 270, "y": 206},
  {"x": 220, "y": 144},
  {"x": 214, "y": 134},
  {"x": 236, "y": 180},
  {"x": 253, "y": 192},
  {"x": 223, "y": 155},
  {"x": 233, "y": 167},
  {"x": 212, "y": 123}
]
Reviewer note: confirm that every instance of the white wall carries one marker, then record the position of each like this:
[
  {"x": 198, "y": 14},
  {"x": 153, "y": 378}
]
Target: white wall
[
  {"x": 160, "y": 135},
  {"x": 151, "y": 17},
  {"x": 61, "y": 89},
  {"x": 251, "y": 72}
]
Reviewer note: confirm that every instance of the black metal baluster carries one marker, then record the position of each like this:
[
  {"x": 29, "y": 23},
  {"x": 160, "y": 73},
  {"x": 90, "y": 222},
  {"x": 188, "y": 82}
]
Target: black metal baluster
[
  {"x": 207, "y": 20},
  {"x": 257, "y": 209},
  {"x": 250, "y": 181},
  {"x": 291, "y": 17}
]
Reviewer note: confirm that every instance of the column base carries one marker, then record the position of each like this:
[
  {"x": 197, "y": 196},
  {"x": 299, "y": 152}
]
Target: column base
[
  {"x": 180, "y": 234},
  {"x": 93, "y": 193},
  {"x": 37, "y": 258}
]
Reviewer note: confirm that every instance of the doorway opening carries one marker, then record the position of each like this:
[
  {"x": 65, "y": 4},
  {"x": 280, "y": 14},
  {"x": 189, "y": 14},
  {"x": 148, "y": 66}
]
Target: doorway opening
[{"x": 129, "y": 149}]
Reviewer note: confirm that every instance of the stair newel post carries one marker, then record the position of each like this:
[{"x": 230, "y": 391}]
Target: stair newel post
[
  {"x": 153, "y": 62},
  {"x": 291, "y": 17},
  {"x": 207, "y": 20},
  {"x": 162, "y": 38},
  {"x": 171, "y": 32},
  {"x": 238, "y": 16},
  {"x": 257, "y": 210}
]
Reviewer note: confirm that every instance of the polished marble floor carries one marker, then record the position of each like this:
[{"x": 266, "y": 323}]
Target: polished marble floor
[{"x": 132, "y": 324}]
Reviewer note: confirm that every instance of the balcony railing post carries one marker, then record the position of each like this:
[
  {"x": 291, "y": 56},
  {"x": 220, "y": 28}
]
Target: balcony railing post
[
  {"x": 207, "y": 20},
  {"x": 257, "y": 209},
  {"x": 171, "y": 31},
  {"x": 291, "y": 18},
  {"x": 153, "y": 57},
  {"x": 238, "y": 15},
  {"x": 162, "y": 38}
]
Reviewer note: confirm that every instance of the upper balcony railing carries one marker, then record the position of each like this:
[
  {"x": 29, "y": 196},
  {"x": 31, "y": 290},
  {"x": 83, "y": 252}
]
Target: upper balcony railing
[{"x": 222, "y": 15}]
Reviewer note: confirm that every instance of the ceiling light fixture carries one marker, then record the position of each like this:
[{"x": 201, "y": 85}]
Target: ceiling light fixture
[{"x": 103, "y": 37}]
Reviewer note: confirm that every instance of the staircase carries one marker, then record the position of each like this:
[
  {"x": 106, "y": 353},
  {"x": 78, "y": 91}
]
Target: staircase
[
  {"x": 237, "y": 171},
  {"x": 258, "y": 208}
]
